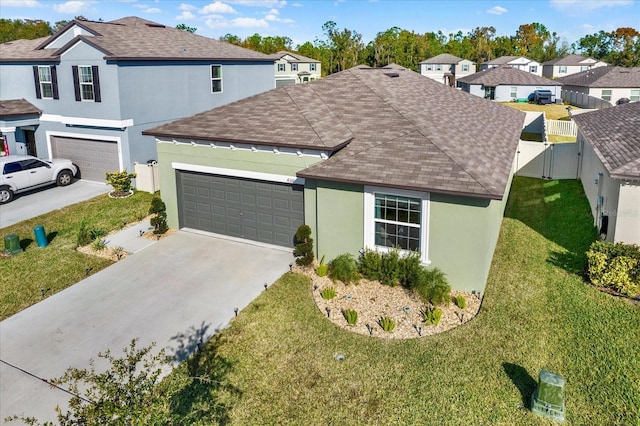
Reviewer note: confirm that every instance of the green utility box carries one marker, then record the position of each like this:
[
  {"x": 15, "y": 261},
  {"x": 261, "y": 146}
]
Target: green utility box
[
  {"x": 12, "y": 244},
  {"x": 548, "y": 399}
]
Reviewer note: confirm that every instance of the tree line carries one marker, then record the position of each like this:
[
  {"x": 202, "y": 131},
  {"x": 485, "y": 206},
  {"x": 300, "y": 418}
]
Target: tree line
[{"x": 342, "y": 48}]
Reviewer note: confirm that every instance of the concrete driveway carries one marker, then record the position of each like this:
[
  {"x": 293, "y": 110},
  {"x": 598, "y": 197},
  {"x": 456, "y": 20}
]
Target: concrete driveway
[
  {"x": 180, "y": 288},
  {"x": 40, "y": 201}
]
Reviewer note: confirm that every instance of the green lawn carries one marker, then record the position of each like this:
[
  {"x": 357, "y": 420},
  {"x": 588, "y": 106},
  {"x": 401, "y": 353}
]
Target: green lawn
[
  {"x": 60, "y": 265},
  {"x": 275, "y": 364},
  {"x": 551, "y": 111}
]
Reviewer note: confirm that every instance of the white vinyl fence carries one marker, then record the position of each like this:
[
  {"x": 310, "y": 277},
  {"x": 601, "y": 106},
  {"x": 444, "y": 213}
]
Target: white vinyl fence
[
  {"x": 560, "y": 127},
  {"x": 583, "y": 100},
  {"x": 548, "y": 161}
]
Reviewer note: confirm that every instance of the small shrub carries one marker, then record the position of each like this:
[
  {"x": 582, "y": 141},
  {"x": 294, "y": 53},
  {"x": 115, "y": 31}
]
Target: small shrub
[
  {"x": 431, "y": 315},
  {"x": 120, "y": 181},
  {"x": 97, "y": 233},
  {"x": 432, "y": 287},
  {"x": 616, "y": 266},
  {"x": 344, "y": 268},
  {"x": 369, "y": 264},
  {"x": 159, "y": 220},
  {"x": 410, "y": 269},
  {"x": 460, "y": 301},
  {"x": 303, "y": 249},
  {"x": 84, "y": 235},
  {"x": 322, "y": 269},
  {"x": 387, "y": 324},
  {"x": 351, "y": 316},
  {"x": 99, "y": 244},
  {"x": 328, "y": 293},
  {"x": 390, "y": 268}
]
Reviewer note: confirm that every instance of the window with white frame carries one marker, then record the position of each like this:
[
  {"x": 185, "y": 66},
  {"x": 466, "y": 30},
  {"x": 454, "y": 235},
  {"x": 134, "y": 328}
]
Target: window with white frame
[
  {"x": 294, "y": 67},
  {"x": 465, "y": 67},
  {"x": 396, "y": 219},
  {"x": 85, "y": 79},
  {"x": 313, "y": 67},
  {"x": 585, "y": 68},
  {"x": 514, "y": 92},
  {"x": 438, "y": 67},
  {"x": 281, "y": 67},
  {"x": 562, "y": 70},
  {"x": 635, "y": 96},
  {"x": 533, "y": 69},
  {"x": 216, "y": 78},
  {"x": 606, "y": 95},
  {"x": 46, "y": 82},
  {"x": 429, "y": 67}
]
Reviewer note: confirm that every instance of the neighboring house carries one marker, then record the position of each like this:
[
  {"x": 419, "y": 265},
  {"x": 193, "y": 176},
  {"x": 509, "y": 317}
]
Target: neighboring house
[
  {"x": 292, "y": 68},
  {"x": 367, "y": 157},
  {"x": 519, "y": 62},
  {"x": 607, "y": 83},
  {"x": 446, "y": 68},
  {"x": 568, "y": 65},
  {"x": 610, "y": 169},
  {"x": 18, "y": 114},
  {"x": 100, "y": 84},
  {"x": 507, "y": 84}
]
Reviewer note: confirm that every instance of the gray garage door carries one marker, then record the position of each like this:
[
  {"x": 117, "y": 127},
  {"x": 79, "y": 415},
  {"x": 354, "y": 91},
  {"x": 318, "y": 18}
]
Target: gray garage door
[
  {"x": 256, "y": 210},
  {"x": 92, "y": 157}
]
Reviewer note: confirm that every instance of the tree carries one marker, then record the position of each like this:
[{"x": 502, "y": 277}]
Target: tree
[
  {"x": 231, "y": 38},
  {"x": 345, "y": 47},
  {"x": 185, "y": 27},
  {"x": 18, "y": 29},
  {"x": 482, "y": 44},
  {"x": 620, "y": 47}
]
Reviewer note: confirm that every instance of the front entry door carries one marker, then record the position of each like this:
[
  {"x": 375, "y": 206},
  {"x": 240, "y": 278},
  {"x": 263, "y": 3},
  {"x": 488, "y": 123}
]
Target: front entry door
[{"x": 30, "y": 138}]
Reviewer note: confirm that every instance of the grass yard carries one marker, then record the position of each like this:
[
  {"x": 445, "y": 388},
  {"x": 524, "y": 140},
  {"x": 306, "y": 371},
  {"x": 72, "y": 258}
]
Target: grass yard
[
  {"x": 276, "y": 365},
  {"x": 60, "y": 265},
  {"x": 552, "y": 111}
]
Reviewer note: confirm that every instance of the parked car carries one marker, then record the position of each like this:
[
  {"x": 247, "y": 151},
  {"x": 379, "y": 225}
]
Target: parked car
[
  {"x": 541, "y": 97},
  {"x": 19, "y": 173}
]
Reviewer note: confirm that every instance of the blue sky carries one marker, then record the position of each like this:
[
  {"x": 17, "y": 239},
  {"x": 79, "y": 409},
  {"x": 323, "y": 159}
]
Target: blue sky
[{"x": 302, "y": 20}]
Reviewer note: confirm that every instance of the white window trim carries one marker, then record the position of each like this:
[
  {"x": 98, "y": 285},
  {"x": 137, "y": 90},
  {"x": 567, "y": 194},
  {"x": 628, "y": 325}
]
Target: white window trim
[
  {"x": 215, "y": 78},
  {"x": 369, "y": 218},
  {"x": 81, "y": 83},
  {"x": 45, "y": 82},
  {"x": 282, "y": 67},
  {"x": 294, "y": 66}
]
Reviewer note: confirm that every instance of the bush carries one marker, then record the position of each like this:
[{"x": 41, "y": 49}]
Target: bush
[
  {"x": 159, "y": 220},
  {"x": 390, "y": 268},
  {"x": 351, "y": 316},
  {"x": 387, "y": 324},
  {"x": 616, "y": 266},
  {"x": 410, "y": 269},
  {"x": 345, "y": 269},
  {"x": 121, "y": 181},
  {"x": 303, "y": 249},
  {"x": 460, "y": 301},
  {"x": 328, "y": 293},
  {"x": 99, "y": 244},
  {"x": 432, "y": 287},
  {"x": 84, "y": 235},
  {"x": 369, "y": 264},
  {"x": 431, "y": 315}
]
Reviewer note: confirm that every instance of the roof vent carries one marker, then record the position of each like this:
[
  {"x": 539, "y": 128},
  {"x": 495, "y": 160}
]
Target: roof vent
[{"x": 392, "y": 74}]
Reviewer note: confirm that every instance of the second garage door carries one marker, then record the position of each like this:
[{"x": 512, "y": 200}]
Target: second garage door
[
  {"x": 261, "y": 211},
  {"x": 93, "y": 157}
]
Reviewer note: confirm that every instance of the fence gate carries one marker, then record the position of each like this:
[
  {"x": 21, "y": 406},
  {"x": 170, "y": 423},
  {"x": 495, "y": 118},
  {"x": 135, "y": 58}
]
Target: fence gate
[{"x": 548, "y": 161}]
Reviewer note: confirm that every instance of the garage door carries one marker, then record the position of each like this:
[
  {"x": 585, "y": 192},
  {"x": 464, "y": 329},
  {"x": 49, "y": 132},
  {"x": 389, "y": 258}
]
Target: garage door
[
  {"x": 93, "y": 157},
  {"x": 256, "y": 210}
]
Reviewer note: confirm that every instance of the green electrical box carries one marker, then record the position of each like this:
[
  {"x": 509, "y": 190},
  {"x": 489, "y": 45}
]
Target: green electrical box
[
  {"x": 12, "y": 244},
  {"x": 548, "y": 399}
]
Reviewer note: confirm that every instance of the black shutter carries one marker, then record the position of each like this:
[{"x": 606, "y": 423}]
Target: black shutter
[
  {"x": 54, "y": 82},
  {"x": 76, "y": 82},
  {"x": 36, "y": 78},
  {"x": 96, "y": 84}
]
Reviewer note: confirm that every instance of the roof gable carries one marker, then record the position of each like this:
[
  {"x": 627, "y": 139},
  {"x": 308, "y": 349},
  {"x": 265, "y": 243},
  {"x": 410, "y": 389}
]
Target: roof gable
[
  {"x": 604, "y": 77},
  {"x": 506, "y": 75},
  {"x": 443, "y": 58}
]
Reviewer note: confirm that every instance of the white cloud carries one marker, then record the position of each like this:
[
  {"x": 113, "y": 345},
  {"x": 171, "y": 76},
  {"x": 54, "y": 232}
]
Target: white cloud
[
  {"x": 20, "y": 3},
  {"x": 587, "y": 27},
  {"x": 587, "y": 4},
  {"x": 73, "y": 7},
  {"x": 140, "y": 6},
  {"x": 260, "y": 3},
  {"x": 497, "y": 10},
  {"x": 186, "y": 16},
  {"x": 218, "y": 22},
  {"x": 217, "y": 7},
  {"x": 187, "y": 7},
  {"x": 152, "y": 10},
  {"x": 297, "y": 4}
]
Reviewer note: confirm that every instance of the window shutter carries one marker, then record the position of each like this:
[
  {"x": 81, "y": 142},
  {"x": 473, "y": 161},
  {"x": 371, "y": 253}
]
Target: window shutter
[
  {"x": 96, "y": 84},
  {"x": 54, "y": 82},
  {"x": 36, "y": 78},
  {"x": 76, "y": 82}
]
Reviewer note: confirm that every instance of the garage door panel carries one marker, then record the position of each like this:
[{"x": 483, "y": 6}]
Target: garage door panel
[
  {"x": 93, "y": 157},
  {"x": 256, "y": 210}
]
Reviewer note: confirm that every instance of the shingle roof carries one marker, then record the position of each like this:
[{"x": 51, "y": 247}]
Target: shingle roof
[
  {"x": 443, "y": 58},
  {"x": 568, "y": 60},
  {"x": 401, "y": 129},
  {"x": 132, "y": 38},
  {"x": 16, "y": 108},
  {"x": 503, "y": 60},
  {"x": 298, "y": 57},
  {"x": 604, "y": 77},
  {"x": 506, "y": 75},
  {"x": 614, "y": 134}
]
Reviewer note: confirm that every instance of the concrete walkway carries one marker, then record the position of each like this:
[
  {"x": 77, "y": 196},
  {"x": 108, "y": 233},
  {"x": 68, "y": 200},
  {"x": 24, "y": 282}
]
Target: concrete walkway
[{"x": 177, "y": 290}]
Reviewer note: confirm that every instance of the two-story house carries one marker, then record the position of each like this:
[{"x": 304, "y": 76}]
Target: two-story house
[
  {"x": 519, "y": 62},
  {"x": 98, "y": 85},
  {"x": 293, "y": 68},
  {"x": 568, "y": 65},
  {"x": 610, "y": 84},
  {"x": 445, "y": 68}
]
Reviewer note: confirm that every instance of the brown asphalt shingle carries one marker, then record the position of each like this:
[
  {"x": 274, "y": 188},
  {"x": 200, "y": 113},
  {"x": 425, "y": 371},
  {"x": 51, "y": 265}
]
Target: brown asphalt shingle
[
  {"x": 506, "y": 75},
  {"x": 604, "y": 77},
  {"x": 298, "y": 57},
  {"x": 614, "y": 134},
  {"x": 403, "y": 131},
  {"x": 16, "y": 108},
  {"x": 567, "y": 60},
  {"x": 443, "y": 58}
]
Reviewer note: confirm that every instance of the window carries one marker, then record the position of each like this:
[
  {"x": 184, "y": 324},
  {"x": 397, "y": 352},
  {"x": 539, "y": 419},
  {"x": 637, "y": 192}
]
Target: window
[
  {"x": 12, "y": 168},
  {"x": 313, "y": 67},
  {"x": 533, "y": 69},
  {"x": 514, "y": 92},
  {"x": 294, "y": 67},
  {"x": 86, "y": 83},
  {"x": 562, "y": 70},
  {"x": 585, "y": 68},
  {"x": 46, "y": 82},
  {"x": 216, "y": 78},
  {"x": 281, "y": 67},
  {"x": 606, "y": 94},
  {"x": 438, "y": 67},
  {"x": 635, "y": 96},
  {"x": 429, "y": 67},
  {"x": 396, "y": 219},
  {"x": 465, "y": 67}
]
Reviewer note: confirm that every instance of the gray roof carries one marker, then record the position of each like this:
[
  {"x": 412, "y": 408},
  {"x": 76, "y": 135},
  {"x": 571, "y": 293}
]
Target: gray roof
[
  {"x": 506, "y": 75},
  {"x": 569, "y": 60},
  {"x": 604, "y": 77},
  {"x": 615, "y": 137},
  {"x": 443, "y": 58},
  {"x": 297, "y": 57},
  {"x": 132, "y": 38},
  {"x": 503, "y": 60},
  {"x": 384, "y": 126},
  {"x": 17, "y": 108}
]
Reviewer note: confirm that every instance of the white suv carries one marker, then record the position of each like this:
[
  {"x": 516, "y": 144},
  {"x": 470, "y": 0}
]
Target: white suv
[{"x": 19, "y": 173}]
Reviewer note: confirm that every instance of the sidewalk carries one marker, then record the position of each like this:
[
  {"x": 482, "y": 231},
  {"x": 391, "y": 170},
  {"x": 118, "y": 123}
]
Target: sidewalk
[{"x": 130, "y": 239}]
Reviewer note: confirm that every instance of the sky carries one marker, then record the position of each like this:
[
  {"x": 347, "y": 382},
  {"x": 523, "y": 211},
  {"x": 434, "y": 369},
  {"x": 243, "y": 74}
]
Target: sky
[{"x": 302, "y": 20}]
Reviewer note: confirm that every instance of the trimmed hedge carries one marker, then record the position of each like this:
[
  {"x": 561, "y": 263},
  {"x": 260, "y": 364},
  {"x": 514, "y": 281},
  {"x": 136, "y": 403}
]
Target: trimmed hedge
[{"x": 616, "y": 266}]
